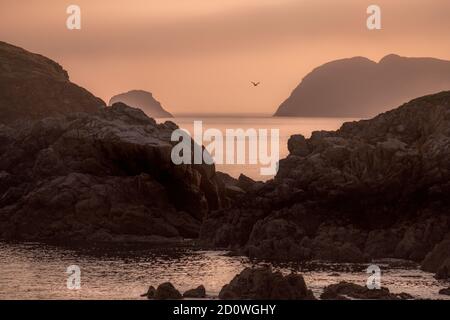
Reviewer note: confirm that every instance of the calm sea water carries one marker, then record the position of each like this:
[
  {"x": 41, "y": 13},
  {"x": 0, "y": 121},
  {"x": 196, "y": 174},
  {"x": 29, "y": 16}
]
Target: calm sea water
[
  {"x": 37, "y": 271},
  {"x": 286, "y": 126}
]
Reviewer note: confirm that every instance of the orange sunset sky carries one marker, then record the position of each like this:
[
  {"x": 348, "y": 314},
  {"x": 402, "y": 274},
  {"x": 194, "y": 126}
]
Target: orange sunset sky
[{"x": 199, "y": 56}]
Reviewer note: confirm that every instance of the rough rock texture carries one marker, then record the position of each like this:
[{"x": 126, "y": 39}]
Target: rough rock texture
[
  {"x": 346, "y": 290},
  {"x": 236, "y": 188},
  {"x": 197, "y": 293},
  {"x": 150, "y": 294},
  {"x": 373, "y": 189},
  {"x": 263, "y": 284},
  {"x": 143, "y": 100},
  {"x": 35, "y": 87},
  {"x": 438, "y": 260},
  {"x": 359, "y": 87},
  {"x": 99, "y": 176},
  {"x": 166, "y": 291}
]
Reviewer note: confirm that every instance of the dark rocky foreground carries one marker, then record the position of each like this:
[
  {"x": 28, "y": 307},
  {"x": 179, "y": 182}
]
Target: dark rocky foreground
[
  {"x": 445, "y": 291},
  {"x": 264, "y": 284},
  {"x": 261, "y": 283},
  {"x": 71, "y": 169},
  {"x": 373, "y": 189},
  {"x": 99, "y": 176},
  {"x": 251, "y": 284},
  {"x": 167, "y": 291},
  {"x": 346, "y": 291}
]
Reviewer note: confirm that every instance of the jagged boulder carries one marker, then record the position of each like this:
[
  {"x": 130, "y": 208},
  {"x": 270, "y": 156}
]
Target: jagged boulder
[
  {"x": 197, "y": 293},
  {"x": 372, "y": 189},
  {"x": 264, "y": 284},
  {"x": 166, "y": 291},
  {"x": 98, "y": 176},
  {"x": 150, "y": 294},
  {"x": 438, "y": 260}
]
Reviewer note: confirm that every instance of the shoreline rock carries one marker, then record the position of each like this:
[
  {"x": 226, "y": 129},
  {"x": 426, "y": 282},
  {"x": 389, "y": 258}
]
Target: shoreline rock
[
  {"x": 438, "y": 260},
  {"x": 150, "y": 294},
  {"x": 346, "y": 290},
  {"x": 445, "y": 291},
  {"x": 197, "y": 293},
  {"x": 264, "y": 284},
  {"x": 72, "y": 169},
  {"x": 372, "y": 189},
  {"x": 100, "y": 176},
  {"x": 166, "y": 291}
]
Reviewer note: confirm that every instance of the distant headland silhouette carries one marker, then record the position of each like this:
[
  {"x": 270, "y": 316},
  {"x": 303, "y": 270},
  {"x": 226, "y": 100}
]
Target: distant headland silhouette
[{"x": 359, "y": 87}]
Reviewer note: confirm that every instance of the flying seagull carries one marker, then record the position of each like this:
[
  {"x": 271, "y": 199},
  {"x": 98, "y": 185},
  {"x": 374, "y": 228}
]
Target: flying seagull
[{"x": 255, "y": 84}]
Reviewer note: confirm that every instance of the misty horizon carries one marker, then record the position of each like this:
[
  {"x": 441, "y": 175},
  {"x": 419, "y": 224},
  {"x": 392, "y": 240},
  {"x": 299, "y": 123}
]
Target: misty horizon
[{"x": 197, "y": 56}]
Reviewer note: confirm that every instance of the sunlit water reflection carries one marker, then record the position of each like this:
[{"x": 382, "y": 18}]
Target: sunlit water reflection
[{"x": 37, "y": 271}]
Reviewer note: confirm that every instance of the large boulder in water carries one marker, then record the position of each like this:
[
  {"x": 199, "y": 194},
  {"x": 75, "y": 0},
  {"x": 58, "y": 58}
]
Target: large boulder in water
[
  {"x": 197, "y": 293},
  {"x": 166, "y": 291},
  {"x": 264, "y": 284},
  {"x": 35, "y": 87}
]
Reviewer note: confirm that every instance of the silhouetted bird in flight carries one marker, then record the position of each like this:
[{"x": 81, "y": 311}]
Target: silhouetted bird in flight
[{"x": 255, "y": 84}]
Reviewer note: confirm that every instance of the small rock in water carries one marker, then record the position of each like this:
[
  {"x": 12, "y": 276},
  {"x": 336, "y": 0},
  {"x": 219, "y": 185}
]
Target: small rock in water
[
  {"x": 167, "y": 291},
  {"x": 198, "y": 292},
  {"x": 150, "y": 293},
  {"x": 263, "y": 284},
  {"x": 346, "y": 290},
  {"x": 445, "y": 291}
]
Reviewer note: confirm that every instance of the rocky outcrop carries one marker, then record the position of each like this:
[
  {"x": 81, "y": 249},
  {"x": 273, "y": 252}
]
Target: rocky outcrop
[
  {"x": 142, "y": 100},
  {"x": 263, "y": 284},
  {"x": 166, "y": 291},
  {"x": 72, "y": 170},
  {"x": 372, "y": 189},
  {"x": 236, "y": 188},
  {"x": 35, "y": 87},
  {"x": 445, "y": 291},
  {"x": 359, "y": 87},
  {"x": 150, "y": 294},
  {"x": 100, "y": 176},
  {"x": 346, "y": 291},
  {"x": 438, "y": 260},
  {"x": 197, "y": 293}
]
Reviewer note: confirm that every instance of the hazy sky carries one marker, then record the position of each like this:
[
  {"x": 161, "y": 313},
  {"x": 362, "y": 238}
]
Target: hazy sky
[{"x": 200, "y": 55}]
